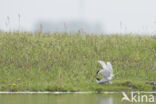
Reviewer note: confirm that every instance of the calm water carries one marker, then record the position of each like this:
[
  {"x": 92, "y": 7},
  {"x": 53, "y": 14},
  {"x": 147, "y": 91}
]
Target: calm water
[{"x": 62, "y": 99}]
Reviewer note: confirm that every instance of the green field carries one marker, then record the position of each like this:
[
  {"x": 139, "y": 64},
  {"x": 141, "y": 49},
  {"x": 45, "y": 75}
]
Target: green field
[{"x": 68, "y": 62}]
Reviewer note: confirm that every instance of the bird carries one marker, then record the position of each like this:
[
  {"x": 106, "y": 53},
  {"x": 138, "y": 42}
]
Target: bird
[{"x": 106, "y": 72}]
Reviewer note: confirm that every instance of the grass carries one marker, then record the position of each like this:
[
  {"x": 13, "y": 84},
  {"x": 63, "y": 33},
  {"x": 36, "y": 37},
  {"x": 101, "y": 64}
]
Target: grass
[{"x": 68, "y": 62}]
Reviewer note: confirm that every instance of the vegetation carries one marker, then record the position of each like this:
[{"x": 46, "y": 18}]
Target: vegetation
[{"x": 68, "y": 62}]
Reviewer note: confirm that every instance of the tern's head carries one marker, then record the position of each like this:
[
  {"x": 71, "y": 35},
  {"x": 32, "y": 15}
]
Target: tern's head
[
  {"x": 97, "y": 72},
  {"x": 97, "y": 79}
]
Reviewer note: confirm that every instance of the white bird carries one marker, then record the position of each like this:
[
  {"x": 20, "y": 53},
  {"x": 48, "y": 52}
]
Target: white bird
[{"x": 106, "y": 72}]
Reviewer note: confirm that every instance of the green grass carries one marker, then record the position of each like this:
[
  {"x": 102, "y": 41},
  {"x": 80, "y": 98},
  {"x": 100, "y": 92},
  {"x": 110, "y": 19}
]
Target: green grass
[{"x": 68, "y": 62}]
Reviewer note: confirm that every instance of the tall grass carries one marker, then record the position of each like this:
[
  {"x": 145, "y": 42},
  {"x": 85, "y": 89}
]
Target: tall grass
[{"x": 68, "y": 62}]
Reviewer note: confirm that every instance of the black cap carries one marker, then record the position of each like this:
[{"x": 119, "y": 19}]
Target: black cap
[
  {"x": 97, "y": 79},
  {"x": 97, "y": 72}
]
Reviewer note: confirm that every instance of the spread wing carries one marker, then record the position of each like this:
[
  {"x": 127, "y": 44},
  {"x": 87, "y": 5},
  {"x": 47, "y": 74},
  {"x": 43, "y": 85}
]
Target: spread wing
[
  {"x": 102, "y": 64},
  {"x": 107, "y": 73},
  {"x": 109, "y": 67}
]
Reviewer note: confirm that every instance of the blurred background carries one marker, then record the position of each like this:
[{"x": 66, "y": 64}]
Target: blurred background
[{"x": 89, "y": 16}]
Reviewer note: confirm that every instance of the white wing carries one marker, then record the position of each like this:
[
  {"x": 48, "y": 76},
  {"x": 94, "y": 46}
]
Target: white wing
[
  {"x": 105, "y": 73},
  {"x": 102, "y": 64},
  {"x": 109, "y": 70},
  {"x": 109, "y": 67}
]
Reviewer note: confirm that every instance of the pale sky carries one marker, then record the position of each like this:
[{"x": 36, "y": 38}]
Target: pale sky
[{"x": 116, "y": 16}]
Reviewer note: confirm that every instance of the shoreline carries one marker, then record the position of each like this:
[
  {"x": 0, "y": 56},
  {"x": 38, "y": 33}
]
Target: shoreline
[{"x": 68, "y": 92}]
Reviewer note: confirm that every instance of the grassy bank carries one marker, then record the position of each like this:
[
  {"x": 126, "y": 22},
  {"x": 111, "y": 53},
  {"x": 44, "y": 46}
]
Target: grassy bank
[{"x": 63, "y": 62}]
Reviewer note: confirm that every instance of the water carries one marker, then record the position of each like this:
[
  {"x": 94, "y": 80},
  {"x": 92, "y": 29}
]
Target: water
[{"x": 62, "y": 99}]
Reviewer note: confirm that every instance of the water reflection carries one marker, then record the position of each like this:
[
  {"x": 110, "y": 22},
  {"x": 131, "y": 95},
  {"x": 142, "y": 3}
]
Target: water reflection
[
  {"x": 104, "y": 100},
  {"x": 60, "y": 99}
]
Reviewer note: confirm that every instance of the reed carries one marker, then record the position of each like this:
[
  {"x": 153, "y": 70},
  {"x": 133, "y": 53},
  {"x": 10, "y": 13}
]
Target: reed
[{"x": 68, "y": 62}]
